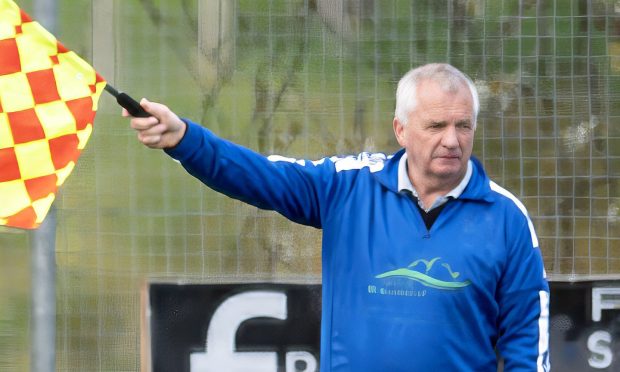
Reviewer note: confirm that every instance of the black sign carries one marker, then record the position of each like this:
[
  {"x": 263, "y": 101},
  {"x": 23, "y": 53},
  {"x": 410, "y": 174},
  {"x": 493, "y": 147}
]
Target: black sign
[
  {"x": 276, "y": 327},
  {"x": 235, "y": 327},
  {"x": 585, "y": 326}
]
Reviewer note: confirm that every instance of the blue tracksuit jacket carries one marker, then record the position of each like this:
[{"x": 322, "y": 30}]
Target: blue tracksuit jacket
[{"x": 397, "y": 296}]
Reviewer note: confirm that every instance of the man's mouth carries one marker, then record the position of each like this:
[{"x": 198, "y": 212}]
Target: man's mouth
[{"x": 449, "y": 157}]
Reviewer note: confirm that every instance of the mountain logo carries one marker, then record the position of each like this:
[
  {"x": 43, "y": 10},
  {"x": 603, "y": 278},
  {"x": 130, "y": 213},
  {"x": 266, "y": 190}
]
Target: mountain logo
[{"x": 419, "y": 271}]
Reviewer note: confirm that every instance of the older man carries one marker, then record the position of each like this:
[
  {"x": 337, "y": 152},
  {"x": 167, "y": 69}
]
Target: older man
[{"x": 427, "y": 264}]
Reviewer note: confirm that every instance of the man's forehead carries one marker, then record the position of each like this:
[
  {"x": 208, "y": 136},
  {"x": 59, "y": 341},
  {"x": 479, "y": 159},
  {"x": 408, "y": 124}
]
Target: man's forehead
[
  {"x": 440, "y": 110},
  {"x": 441, "y": 116}
]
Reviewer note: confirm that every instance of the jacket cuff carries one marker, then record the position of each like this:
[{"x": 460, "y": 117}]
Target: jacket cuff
[{"x": 189, "y": 140}]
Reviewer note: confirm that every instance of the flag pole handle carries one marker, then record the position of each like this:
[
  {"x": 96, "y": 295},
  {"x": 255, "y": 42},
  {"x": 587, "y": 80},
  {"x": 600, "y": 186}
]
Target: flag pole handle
[{"x": 131, "y": 105}]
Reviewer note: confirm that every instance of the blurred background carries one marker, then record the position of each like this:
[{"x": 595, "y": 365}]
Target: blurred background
[{"x": 306, "y": 79}]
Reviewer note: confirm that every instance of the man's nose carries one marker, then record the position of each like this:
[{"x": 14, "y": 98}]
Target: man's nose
[{"x": 450, "y": 137}]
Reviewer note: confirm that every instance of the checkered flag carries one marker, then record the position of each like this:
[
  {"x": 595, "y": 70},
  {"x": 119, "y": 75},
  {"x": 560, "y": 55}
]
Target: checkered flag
[{"x": 48, "y": 101}]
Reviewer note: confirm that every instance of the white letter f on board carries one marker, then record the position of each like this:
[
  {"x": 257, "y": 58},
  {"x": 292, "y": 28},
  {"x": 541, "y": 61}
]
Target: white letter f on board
[{"x": 220, "y": 347}]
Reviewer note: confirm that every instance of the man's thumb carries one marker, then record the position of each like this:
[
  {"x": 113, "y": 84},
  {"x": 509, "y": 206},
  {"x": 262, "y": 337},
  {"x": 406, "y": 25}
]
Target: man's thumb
[
  {"x": 146, "y": 105},
  {"x": 156, "y": 109}
]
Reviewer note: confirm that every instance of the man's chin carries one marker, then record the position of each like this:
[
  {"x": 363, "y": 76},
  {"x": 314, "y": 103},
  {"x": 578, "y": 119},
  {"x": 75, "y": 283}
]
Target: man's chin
[{"x": 449, "y": 172}]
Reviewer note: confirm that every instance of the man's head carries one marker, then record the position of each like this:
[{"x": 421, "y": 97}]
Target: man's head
[
  {"x": 435, "y": 119},
  {"x": 446, "y": 75}
]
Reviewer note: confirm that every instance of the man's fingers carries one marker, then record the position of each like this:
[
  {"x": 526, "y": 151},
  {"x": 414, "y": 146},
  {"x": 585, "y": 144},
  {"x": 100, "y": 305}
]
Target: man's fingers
[
  {"x": 143, "y": 123},
  {"x": 150, "y": 140},
  {"x": 155, "y": 130}
]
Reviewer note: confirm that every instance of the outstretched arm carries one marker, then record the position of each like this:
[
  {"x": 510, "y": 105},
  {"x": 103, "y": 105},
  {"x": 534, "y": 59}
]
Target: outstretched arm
[{"x": 294, "y": 188}]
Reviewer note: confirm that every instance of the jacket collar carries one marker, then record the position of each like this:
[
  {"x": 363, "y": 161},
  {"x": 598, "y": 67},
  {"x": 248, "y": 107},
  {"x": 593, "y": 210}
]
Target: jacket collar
[{"x": 478, "y": 187}]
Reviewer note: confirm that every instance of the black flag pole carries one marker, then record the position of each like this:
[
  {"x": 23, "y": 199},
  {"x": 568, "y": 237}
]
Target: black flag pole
[{"x": 131, "y": 105}]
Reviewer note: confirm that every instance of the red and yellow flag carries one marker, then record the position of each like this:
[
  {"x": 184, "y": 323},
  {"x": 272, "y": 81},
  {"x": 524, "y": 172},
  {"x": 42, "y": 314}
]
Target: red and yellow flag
[{"x": 48, "y": 100}]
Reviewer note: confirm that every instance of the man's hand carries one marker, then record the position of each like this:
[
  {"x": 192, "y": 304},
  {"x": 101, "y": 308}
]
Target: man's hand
[{"x": 162, "y": 130}]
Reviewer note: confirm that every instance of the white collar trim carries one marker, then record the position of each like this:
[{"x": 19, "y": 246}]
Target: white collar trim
[{"x": 404, "y": 183}]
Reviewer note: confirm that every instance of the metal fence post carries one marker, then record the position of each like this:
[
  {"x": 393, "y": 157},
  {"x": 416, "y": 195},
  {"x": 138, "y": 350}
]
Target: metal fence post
[
  {"x": 43, "y": 307},
  {"x": 43, "y": 255}
]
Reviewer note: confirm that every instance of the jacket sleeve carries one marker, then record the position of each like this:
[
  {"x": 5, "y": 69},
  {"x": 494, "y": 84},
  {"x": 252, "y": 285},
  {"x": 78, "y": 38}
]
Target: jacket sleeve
[
  {"x": 523, "y": 299},
  {"x": 294, "y": 188}
]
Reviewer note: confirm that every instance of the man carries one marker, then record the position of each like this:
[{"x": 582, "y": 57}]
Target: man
[{"x": 427, "y": 264}]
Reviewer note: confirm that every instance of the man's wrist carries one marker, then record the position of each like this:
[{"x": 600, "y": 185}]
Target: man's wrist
[{"x": 179, "y": 134}]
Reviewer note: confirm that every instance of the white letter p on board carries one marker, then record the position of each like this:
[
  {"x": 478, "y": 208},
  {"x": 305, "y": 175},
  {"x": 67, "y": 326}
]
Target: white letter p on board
[{"x": 220, "y": 347}]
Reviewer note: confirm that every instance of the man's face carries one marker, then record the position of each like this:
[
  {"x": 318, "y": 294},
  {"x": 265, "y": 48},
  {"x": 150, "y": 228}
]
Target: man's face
[{"x": 439, "y": 135}]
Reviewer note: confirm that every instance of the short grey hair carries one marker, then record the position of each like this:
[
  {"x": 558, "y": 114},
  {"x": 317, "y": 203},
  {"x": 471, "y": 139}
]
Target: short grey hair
[{"x": 449, "y": 77}]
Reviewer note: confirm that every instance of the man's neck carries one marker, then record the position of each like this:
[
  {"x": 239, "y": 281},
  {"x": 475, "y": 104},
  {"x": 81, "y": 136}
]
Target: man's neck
[
  {"x": 430, "y": 188},
  {"x": 434, "y": 193}
]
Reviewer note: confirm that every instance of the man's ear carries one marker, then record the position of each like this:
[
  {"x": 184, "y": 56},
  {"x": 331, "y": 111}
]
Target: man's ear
[{"x": 399, "y": 131}]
